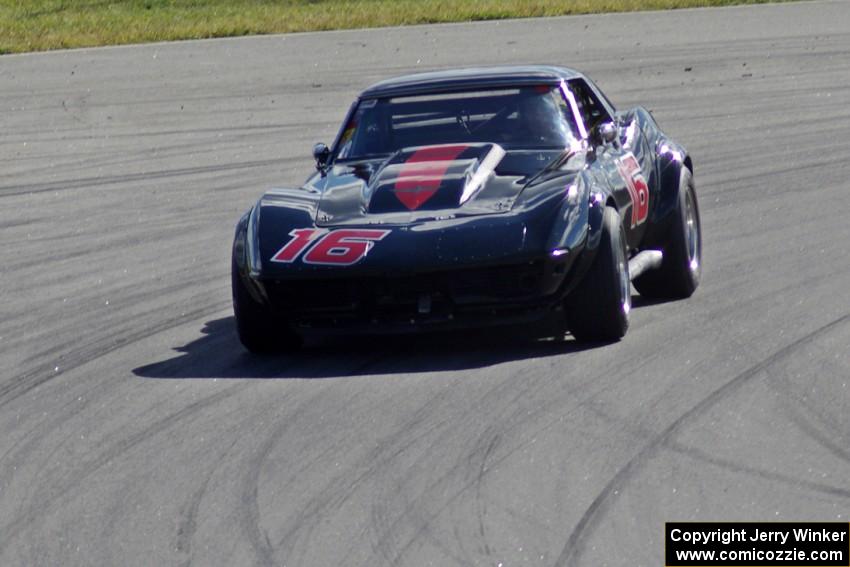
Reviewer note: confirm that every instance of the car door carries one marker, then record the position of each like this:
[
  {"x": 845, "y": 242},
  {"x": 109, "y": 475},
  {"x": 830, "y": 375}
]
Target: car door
[
  {"x": 634, "y": 165},
  {"x": 633, "y": 139},
  {"x": 617, "y": 167},
  {"x": 622, "y": 165}
]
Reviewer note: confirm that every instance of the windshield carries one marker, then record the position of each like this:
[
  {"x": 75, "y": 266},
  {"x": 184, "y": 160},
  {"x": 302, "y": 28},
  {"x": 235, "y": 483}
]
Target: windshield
[{"x": 519, "y": 118}]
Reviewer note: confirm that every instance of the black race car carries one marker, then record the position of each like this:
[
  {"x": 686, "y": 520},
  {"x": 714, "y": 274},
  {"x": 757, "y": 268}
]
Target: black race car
[{"x": 468, "y": 198}]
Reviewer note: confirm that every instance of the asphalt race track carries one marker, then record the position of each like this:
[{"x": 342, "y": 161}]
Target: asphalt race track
[{"x": 136, "y": 431}]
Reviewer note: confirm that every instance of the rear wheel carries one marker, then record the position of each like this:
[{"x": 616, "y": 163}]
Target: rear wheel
[
  {"x": 680, "y": 271},
  {"x": 598, "y": 309},
  {"x": 258, "y": 331}
]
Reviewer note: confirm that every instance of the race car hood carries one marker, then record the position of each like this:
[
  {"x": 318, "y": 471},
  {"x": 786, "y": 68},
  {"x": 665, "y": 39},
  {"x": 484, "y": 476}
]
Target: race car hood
[
  {"x": 539, "y": 194},
  {"x": 426, "y": 183}
]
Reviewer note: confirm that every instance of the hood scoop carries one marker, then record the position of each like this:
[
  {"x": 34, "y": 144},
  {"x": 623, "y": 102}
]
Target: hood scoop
[{"x": 431, "y": 177}]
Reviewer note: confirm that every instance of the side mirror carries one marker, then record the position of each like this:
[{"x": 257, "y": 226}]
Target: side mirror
[
  {"x": 608, "y": 132},
  {"x": 321, "y": 153}
]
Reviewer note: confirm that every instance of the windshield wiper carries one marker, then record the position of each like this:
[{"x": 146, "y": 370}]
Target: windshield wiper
[{"x": 556, "y": 162}]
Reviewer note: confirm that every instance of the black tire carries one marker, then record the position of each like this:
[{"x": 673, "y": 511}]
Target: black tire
[
  {"x": 258, "y": 331},
  {"x": 680, "y": 271},
  {"x": 598, "y": 309}
]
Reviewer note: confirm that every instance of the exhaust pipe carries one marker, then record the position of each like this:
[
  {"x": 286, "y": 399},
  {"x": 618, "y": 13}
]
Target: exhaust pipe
[{"x": 643, "y": 261}]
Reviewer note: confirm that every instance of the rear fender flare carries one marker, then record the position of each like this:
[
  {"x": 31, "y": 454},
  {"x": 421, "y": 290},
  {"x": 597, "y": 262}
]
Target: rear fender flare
[{"x": 670, "y": 159}]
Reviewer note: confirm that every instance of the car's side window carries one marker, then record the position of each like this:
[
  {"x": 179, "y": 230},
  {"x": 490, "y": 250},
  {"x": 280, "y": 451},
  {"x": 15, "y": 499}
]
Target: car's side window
[{"x": 592, "y": 111}]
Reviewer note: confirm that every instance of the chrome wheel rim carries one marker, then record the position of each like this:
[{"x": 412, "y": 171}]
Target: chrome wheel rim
[
  {"x": 692, "y": 232},
  {"x": 625, "y": 282}
]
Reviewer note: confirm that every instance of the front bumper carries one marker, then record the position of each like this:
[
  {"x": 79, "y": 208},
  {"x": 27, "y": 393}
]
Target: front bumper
[{"x": 459, "y": 298}]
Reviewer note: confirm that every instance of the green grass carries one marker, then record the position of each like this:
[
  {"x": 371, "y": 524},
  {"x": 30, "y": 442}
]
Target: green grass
[{"x": 34, "y": 25}]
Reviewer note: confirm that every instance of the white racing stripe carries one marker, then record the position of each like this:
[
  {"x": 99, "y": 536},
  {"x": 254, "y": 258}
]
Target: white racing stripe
[{"x": 483, "y": 172}]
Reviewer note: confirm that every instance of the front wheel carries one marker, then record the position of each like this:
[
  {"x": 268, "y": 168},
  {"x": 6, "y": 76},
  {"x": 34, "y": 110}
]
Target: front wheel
[
  {"x": 598, "y": 309},
  {"x": 680, "y": 270},
  {"x": 258, "y": 331}
]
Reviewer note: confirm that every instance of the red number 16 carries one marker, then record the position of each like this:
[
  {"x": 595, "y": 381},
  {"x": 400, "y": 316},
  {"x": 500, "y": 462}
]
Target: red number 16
[
  {"x": 638, "y": 189},
  {"x": 342, "y": 247}
]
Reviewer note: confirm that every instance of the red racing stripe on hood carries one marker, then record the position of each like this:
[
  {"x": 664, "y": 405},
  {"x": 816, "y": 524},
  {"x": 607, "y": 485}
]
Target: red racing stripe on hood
[{"x": 422, "y": 173}]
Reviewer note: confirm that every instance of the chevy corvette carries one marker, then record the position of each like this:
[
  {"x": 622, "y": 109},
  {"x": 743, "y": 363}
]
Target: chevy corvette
[{"x": 470, "y": 198}]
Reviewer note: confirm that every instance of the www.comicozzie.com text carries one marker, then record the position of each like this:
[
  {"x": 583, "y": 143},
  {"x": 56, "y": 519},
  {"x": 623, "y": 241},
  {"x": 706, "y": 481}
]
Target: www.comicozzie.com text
[{"x": 727, "y": 536}]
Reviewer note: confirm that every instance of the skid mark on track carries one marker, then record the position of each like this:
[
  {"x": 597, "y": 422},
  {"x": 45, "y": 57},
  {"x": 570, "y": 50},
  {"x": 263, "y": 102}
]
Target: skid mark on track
[
  {"x": 188, "y": 521},
  {"x": 817, "y": 423},
  {"x": 394, "y": 538},
  {"x": 128, "y": 178},
  {"x": 22, "y": 384},
  {"x": 792, "y": 482},
  {"x": 263, "y": 547},
  {"x": 337, "y": 491},
  {"x": 258, "y": 538},
  {"x": 493, "y": 452},
  {"x": 480, "y": 501},
  {"x": 189, "y": 513},
  {"x": 50, "y": 502},
  {"x": 815, "y": 427},
  {"x": 571, "y": 552}
]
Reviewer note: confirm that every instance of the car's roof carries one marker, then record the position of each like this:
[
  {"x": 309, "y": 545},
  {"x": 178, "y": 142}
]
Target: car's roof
[{"x": 471, "y": 78}]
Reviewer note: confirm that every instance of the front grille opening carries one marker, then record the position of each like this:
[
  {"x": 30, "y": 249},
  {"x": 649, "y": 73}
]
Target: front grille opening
[{"x": 402, "y": 293}]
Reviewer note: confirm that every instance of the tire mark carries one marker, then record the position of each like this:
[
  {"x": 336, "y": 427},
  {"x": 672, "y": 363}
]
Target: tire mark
[
  {"x": 26, "y": 382},
  {"x": 188, "y": 523},
  {"x": 572, "y": 549},
  {"x": 38, "y": 509},
  {"x": 425, "y": 521},
  {"x": 817, "y": 435},
  {"x": 69, "y": 164},
  {"x": 86, "y": 182},
  {"x": 386, "y": 544},
  {"x": 480, "y": 502},
  {"x": 815, "y": 422},
  {"x": 258, "y": 538},
  {"x": 45, "y": 136},
  {"x": 336, "y": 492},
  {"x": 822, "y": 488},
  {"x": 130, "y": 297}
]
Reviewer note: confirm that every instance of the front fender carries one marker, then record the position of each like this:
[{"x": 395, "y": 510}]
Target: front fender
[
  {"x": 244, "y": 256},
  {"x": 577, "y": 225},
  {"x": 240, "y": 241},
  {"x": 270, "y": 220},
  {"x": 577, "y": 230}
]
